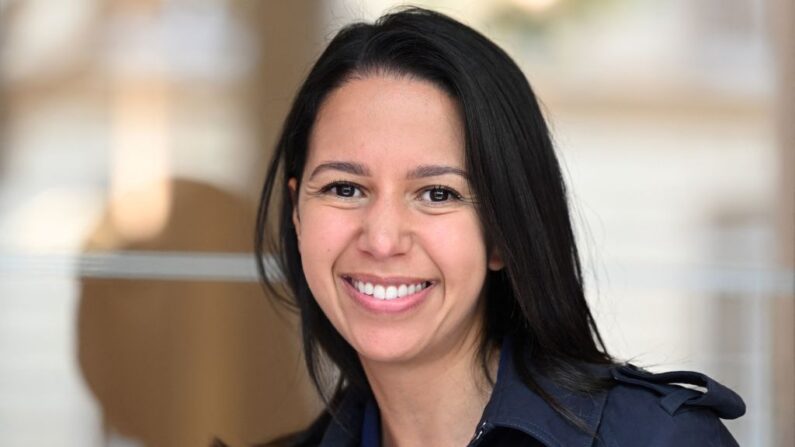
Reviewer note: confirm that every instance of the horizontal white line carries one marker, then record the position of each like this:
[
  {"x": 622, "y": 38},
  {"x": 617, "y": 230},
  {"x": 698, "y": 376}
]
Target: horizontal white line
[
  {"x": 749, "y": 281},
  {"x": 205, "y": 266},
  {"x": 241, "y": 267}
]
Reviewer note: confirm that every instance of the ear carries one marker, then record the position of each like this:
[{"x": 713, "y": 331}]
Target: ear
[
  {"x": 495, "y": 260},
  {"x": 292, "y": 185}
]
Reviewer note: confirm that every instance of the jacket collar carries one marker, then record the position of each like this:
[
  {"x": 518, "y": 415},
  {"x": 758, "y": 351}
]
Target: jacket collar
[
  {"x": 345, "y": 427},
  {"x": 512, "y": 405}
]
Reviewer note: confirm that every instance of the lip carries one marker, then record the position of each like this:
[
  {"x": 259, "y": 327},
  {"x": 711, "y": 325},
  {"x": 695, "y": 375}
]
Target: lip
[{"x": 386, "y": 307}]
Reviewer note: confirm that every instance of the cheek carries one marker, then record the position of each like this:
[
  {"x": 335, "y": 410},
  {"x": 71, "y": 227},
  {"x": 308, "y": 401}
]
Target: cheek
[
  {"x": 325, "y": 234},
  {"x": 457, "y": 246},
  {"x": 323, "y": 229}
]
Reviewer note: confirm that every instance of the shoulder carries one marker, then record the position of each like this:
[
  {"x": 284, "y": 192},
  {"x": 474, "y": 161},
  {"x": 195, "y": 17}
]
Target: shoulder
[
  {"x": 656, "y": 410},
  {"x": 309, "y": 437},
  {"x": 339, "y": 425}
]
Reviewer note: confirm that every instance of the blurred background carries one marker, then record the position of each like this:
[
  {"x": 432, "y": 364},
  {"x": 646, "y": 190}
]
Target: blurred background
[{"x": 133, "y": 140}]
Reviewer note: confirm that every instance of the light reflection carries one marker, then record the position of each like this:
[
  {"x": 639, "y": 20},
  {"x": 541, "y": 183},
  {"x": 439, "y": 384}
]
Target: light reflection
[
  {"x": 535, "y": 6},
  {"x": 140, "y": 194}
]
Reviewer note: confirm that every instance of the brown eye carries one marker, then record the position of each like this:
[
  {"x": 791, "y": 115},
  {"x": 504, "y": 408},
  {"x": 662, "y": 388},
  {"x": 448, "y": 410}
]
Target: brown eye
[
  {"x": 439, "y": 194},
  {"x": 343, "y": 190}
]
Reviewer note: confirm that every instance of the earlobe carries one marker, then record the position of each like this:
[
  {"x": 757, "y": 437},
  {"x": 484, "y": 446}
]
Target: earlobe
[
  {"x": 292, "y": 185},
  {"x": 495, "y": 261}
]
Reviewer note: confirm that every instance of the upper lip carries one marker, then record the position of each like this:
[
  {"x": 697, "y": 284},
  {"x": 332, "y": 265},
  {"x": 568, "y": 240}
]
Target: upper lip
[{"x": 385, "y": 280}]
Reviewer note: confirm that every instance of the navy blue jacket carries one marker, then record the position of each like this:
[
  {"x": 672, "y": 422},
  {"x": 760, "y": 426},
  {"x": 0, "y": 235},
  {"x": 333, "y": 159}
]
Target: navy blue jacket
[{"x": 641, "y": 409}]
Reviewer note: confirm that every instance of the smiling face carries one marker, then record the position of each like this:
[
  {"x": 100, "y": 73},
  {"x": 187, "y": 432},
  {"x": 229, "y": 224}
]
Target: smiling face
[{"x": 390, "y": 241}]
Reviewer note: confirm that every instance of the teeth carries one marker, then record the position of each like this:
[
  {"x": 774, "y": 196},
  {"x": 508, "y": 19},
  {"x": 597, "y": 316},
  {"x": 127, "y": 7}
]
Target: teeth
[{"x": 387, "y": 292}]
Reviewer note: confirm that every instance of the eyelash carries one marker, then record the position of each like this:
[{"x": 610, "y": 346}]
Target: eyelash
[
  {"x": 452, "y": 193},
  {"x": 339, "y": 183}
]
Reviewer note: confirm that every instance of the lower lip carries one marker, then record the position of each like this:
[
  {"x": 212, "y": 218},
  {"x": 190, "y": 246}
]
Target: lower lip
[{"x": 393, "y": 306}]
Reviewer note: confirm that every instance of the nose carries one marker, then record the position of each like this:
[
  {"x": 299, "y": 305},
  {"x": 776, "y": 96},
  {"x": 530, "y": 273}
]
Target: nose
[{"x": 385, "y": 229}]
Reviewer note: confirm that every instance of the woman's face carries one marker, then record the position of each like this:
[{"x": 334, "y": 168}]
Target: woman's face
[{"x": 390, "y": 241}]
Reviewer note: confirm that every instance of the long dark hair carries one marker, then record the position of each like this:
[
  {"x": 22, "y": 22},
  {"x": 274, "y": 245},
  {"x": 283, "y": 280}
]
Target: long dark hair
[{"x": 537, "y": 299}]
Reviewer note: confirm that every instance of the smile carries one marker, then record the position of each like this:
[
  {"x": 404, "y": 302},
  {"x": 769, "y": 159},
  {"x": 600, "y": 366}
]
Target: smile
[{"x": 387, "y": 291}]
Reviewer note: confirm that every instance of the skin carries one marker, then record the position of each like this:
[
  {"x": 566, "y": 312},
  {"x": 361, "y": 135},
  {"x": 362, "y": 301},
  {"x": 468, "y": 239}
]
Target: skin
[{"x": 390, "y": 220}]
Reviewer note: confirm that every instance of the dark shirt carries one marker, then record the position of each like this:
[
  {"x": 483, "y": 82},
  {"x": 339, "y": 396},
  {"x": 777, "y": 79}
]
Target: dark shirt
[{"x": 641, "y": 409}]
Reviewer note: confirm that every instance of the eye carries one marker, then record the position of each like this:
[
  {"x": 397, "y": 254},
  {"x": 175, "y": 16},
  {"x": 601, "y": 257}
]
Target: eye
[
  {"x": 439, "y": 194},
  {"x": 344, "y": 190}
]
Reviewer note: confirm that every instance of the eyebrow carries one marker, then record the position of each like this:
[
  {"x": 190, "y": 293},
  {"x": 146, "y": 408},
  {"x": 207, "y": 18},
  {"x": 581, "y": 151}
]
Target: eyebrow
[
  {"x": 344, "y": 166},
  {"x": 434, "y": 171},
  {"x": 421, "y": 171}
]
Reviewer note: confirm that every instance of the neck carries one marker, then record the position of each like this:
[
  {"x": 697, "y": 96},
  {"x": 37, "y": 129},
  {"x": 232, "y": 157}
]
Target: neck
[{"x": 437, "y": 401}]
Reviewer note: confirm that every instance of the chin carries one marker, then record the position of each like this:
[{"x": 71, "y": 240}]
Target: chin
[{"x": 387, "y": 345}]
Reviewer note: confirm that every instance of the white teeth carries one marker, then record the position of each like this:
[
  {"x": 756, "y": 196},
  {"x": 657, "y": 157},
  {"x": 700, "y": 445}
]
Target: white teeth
[{"x": 387, "y": 292}]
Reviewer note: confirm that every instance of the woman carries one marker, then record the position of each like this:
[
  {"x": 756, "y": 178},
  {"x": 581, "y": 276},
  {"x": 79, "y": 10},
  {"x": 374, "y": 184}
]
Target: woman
[{"x": 427, "y": 245}]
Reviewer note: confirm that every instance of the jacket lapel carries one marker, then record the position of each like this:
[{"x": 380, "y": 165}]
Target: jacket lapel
[
  {"x": 345, "y": 426},
  {"x": 514, "y": 405}
]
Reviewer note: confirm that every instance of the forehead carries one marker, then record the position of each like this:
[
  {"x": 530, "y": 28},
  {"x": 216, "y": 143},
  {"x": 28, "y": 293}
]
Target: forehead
[{"x": 389, "y": 121}]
